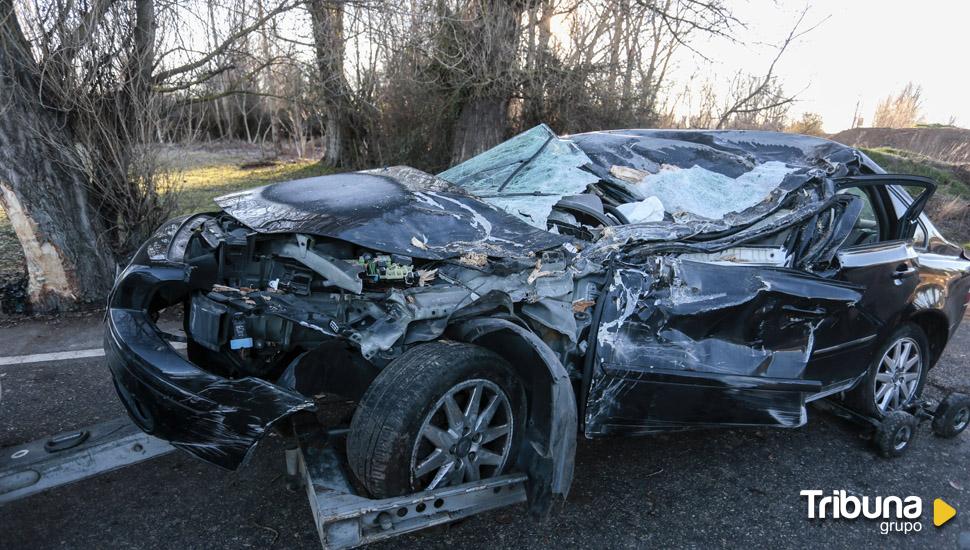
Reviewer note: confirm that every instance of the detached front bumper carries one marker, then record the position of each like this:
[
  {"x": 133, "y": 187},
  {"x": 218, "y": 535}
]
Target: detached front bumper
[{"x": 214, "y": 418}]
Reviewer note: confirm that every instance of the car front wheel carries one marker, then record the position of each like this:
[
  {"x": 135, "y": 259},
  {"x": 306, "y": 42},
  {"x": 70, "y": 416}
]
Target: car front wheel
[{"x": 442, "y": 414}]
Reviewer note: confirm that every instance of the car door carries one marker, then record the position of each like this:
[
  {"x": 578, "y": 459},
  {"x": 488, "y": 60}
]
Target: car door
[
  {"x": 695, "y": 344},
  {"x": 879, "y": 257}
]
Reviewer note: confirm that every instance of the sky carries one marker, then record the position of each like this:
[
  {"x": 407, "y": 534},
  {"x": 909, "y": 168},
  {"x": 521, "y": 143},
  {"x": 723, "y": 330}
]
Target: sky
[{"x": 862, "y": 51}]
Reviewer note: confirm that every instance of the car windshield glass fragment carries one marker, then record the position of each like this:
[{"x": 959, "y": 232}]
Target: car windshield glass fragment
[
  {"x": 526, "y": 175},
  {"x": 701, "y": 192}
]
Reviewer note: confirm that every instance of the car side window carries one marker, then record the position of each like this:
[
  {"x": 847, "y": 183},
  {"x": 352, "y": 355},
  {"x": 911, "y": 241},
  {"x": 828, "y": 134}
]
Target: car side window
[
  {"x": 919, "y": 233},
  {"x": 919, "y": 237},
  {"x": 866, "y": 229}
]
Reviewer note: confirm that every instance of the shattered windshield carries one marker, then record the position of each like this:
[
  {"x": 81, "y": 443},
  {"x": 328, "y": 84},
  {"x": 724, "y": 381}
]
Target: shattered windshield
[
  {"x": 526, "y": 175},
  {"x": 639, "y": 177}
]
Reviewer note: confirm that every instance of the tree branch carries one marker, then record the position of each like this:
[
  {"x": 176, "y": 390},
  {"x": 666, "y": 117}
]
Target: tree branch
[
  {"x": 224, "y": 46},
  {"x": 740, "y": 106}
]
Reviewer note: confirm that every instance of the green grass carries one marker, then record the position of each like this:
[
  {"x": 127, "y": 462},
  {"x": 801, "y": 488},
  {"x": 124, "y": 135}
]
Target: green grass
[
  {"x": 199, "y": 185},
  {"x": 905, "y": 162},
  {"x": 954, "y": 188}
]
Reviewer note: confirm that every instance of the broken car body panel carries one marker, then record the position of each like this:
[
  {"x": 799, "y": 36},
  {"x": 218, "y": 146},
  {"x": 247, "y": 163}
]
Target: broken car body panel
[
  {"x": 379, "y": 212},
  {"x": 732, "y": 310},
  {"x": 679, "y": 357},
  {"x": 215, "y": 418}
]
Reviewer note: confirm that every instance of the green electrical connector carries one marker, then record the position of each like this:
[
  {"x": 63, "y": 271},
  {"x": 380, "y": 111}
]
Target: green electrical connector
[{"x": 382, "y": 267}]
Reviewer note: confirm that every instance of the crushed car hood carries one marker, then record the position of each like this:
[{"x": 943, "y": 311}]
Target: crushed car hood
[{"x": 422, "y": 219}]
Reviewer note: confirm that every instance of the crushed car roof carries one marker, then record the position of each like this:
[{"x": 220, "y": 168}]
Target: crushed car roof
[
  {"x": 652, "y": 171},
  {"x": 728, "y": 152}
]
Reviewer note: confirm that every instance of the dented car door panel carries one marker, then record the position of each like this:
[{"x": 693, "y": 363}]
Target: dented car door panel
[
  {"x": 889, "y": 273},
  {"x": 717, "y": 344},
  {"x": 887, "y": 276}
]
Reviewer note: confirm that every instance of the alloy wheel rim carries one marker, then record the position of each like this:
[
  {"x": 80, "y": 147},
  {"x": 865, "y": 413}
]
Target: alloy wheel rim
[
  {"x": 467, "y": 436},
  {"x": 897, "y": 376},
  {"x": 961, "y": 419},
  {"x": 902, "y": 438}
]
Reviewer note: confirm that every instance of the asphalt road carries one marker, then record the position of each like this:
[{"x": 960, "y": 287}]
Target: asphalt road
[{"x": 702, "y": 489}]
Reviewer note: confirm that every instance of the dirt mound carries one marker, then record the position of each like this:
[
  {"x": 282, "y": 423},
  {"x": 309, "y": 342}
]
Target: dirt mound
[{"x": 950, "y": 145}]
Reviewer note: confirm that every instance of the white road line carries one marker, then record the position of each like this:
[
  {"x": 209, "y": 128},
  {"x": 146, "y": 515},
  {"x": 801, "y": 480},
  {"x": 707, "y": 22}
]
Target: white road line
[{"x": 61, "y": 356}]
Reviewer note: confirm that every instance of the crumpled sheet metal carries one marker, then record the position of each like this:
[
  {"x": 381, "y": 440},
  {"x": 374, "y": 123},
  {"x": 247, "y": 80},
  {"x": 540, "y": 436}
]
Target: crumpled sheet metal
[
  {"x": 733, "y": 154},
  {"x": 381, "y": 213},
  {"x": 800, "y": 196},
  {"x": 674, "y": 354},
  {"x": 419, "y": 314},
  {"x": 727, "y": 152},
  {"x": 216, "y": 419}
]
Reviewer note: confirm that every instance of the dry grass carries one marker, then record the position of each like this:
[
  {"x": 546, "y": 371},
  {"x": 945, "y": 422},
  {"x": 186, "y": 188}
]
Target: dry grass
[
  {"x": 951, "y": 215},
  {"x": 953, "y": 179},
  {"x": 950, "y": 206}
]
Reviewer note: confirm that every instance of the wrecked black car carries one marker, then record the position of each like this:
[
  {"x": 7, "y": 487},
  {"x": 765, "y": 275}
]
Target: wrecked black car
[{"x": 471, "y": 323}]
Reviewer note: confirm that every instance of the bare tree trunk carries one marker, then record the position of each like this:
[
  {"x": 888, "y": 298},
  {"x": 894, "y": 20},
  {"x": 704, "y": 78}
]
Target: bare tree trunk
[
  {"x": 342, "y": 136},
  {"x": 217, "y": 105},
  {"x": 272, "y": 104},
  {"x": 537, "y": 63},
  {"x": 480, "y": 126},
  {"x": 41, "y": 189},
  {"x": 492, "y": 38},
  {"x": 144, "y": 34},
  {"x": 244, "y": 113}
]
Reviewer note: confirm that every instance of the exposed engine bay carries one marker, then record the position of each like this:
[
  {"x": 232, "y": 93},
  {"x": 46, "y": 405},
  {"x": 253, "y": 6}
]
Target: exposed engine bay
[{"x": 277, "y": 297}]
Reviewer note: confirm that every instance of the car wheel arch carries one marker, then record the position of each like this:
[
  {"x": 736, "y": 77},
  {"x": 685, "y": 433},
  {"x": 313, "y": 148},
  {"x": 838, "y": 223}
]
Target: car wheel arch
[
  {"x": 549, "y": 447},
  {"x": 936, "y": 327}
]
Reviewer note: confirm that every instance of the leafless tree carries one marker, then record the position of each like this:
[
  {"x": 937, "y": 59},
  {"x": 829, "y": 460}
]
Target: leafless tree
[
  {"x": 763, "y": 94},
  {"x": 80, "y": 93},
  {"x": 857, "y": 119}
]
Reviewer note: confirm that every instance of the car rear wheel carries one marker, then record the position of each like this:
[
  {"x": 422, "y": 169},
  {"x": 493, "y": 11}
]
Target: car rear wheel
[
  {"x": 442, "y": 414},
  {"x": 896, "y": 376}
]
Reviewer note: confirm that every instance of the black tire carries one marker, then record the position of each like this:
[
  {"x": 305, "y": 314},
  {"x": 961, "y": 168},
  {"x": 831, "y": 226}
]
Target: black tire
[
  {"x": 895, "y": 434},
  {"x": 952, "y": 415},
  {"x": 385, "y": 426},
  {"x": 863, "y": 397}
]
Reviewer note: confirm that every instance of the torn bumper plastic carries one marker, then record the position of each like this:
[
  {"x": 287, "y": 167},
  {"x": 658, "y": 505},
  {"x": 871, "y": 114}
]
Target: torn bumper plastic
[{"x": 214, "y": 418}]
